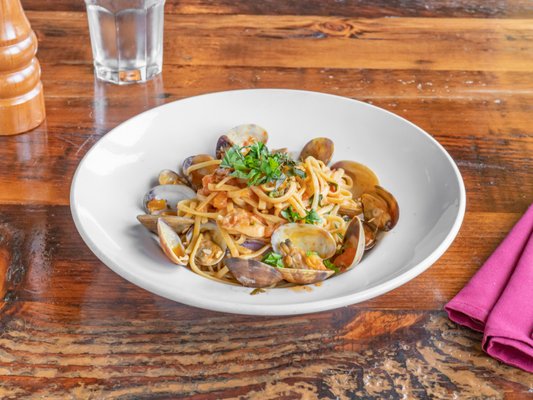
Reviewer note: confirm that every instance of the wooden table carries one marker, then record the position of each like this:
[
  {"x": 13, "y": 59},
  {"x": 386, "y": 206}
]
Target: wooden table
[{"x": 71, "y": 328}]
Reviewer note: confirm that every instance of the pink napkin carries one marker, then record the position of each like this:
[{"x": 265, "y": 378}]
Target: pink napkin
[{"x": 498, "y": 300}]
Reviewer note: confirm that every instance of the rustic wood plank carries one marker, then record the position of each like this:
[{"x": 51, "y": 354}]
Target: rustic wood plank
[
  {"x": 77, "y": 81},
  {"x": 315, "y": 42},
  {"x": 329, "y": 355},
  {"x": 348, "y": 8},
  {"x": 71, "y": 328}
]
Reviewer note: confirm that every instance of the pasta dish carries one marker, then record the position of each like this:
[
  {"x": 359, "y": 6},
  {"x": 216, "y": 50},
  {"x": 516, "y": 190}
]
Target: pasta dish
[{"x": 260, "y": 218}]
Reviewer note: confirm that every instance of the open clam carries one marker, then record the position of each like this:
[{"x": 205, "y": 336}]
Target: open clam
[
  {"x": 320, "y": 148},
  {"x": 364, "y": 179},
  {"x": 380, "y": 209},
  {"x": 353, "y": 247},
  {"x": 195, "y": 177},
  {"x": 169, "y": 177},
  {"x": 304, "y": 247},
  {"x": 371, "y": 235},
  {"x": 252, "y": 273},
  {"x": 212, "y": 247},
  {"x": 304, "y": 276},
  {"x": 165, "y": 198},
  {"x": 178, "y": 224},
  {"x": 241, "y": 135},
  {"x": 306, "y": 237},
  {"x": 171, "y": 243}
]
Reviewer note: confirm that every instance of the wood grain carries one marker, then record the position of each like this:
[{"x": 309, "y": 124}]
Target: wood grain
[
  {"x": 306, "y": 42},
  {"x": 347, "y": 8},
  {"x": 71, "y": 328}
]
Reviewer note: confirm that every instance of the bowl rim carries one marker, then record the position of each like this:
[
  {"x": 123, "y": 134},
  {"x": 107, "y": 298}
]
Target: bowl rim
[{"x": 276, "y": 309}]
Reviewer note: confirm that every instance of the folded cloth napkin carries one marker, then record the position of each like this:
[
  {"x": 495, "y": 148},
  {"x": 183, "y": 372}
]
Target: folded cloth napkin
[
  {"x": 498, "y": 300},
  {"x": 509, "y": 328}
]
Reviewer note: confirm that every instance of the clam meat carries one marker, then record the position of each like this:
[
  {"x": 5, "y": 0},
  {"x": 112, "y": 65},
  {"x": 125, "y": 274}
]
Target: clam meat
[
  {"x": 163, "y": 199},
  {"x": 380, "y": 209},
  {"x": 195, "y": 176},
  {"x": 353, "y": 246},
  {"x": 304, "y": 248},
  {"x": 306, "y": 237},
  {"x": 212, "y": 247}
]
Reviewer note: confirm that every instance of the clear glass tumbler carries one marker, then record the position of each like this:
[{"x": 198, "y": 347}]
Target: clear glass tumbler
[{"x": 126, "y": 39}]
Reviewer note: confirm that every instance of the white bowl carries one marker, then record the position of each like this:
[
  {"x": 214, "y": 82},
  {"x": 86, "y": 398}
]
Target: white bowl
[{"x": 112, "y": 178}]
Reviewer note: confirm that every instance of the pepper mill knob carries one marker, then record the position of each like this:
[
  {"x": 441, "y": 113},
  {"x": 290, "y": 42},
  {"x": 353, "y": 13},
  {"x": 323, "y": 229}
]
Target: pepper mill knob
[{"x": 21, "y": 91}]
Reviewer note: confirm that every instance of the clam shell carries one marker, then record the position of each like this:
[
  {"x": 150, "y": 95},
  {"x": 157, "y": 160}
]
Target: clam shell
[
  {"x": 304, "y": 276},
  {"x": 223, "y": 145},
  {"x": 371, "y": 233},
  {"x": 353, "y": 247},
  {"x": 320, "y": 148},
  {"x": 171, "y": 194},
  {"x": 171, "y": 243},
  {"x": 247, "y": 134},
  {"x": 195, "y": 177},
  {"x": 178, "y": 224},
  {"x": 364, "y": 179},
  {"x": 393, "y": 207},
  {"x": 252, "y": 273},
  {"x": 218, "y": 239},
  {"x": 305, "y": 237},
  {"x": 380, "y": 209},
  {"x": 241, "y": 135},
  {"x": 169, "y": 177}
]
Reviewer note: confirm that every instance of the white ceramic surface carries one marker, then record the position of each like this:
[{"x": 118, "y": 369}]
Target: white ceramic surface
[{"x": 119, "y": 169}]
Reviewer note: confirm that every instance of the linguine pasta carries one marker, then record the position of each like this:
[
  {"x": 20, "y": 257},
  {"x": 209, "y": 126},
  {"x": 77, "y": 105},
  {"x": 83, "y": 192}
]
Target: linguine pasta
[
  {"x": 237, "y": 208},
  {"x": 258, "y": 218}
]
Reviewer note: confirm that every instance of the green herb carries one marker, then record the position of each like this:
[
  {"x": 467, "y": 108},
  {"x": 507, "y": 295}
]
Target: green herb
[
  {"x": 310, "y": 253},
  {"x": 312, "y": 217},
  {"x": 257, "y": 291},
  {"x": 258, "y": 166},
  {"x": 274, "y": 259},
  {"x": 292, "y": 216},
  {"x": 331, "y": 266},
  {"x": 233, "y": 158},
  {"x": 294, "y": 171}
]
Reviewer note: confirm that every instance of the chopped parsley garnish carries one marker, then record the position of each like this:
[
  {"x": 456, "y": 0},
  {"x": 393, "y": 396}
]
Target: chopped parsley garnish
[
  {"x": 312, "y": 217},
  {"x": 293, "y": 171},
  {"x": 259, "y": 165},
  {"x": 292, "y": 216},
  {"x": 331, "y": 266},
  {"x": 274, "y": 259}
]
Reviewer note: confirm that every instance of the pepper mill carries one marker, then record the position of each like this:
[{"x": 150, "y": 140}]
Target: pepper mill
[{"x": 21, "y": 91}]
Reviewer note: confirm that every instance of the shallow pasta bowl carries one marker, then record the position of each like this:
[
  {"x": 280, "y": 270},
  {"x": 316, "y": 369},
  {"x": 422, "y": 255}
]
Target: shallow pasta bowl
[{"x": 409, "y": 162}]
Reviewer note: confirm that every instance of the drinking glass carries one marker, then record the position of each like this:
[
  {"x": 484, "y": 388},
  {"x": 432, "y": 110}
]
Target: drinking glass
[{"x": 126, "y": 39}]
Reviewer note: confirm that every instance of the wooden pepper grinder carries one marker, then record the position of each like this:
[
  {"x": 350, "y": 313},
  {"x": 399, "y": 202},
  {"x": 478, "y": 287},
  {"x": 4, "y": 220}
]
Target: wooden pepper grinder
[{"x": 21, "y": 91}]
